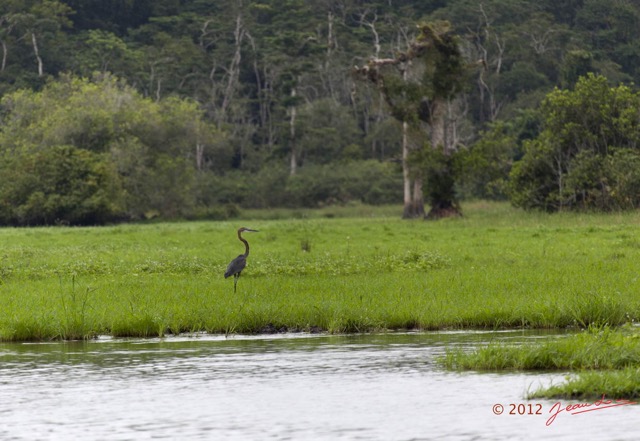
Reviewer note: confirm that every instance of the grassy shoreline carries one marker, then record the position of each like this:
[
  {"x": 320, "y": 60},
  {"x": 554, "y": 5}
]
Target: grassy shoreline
[
  {"x": 495, "y": 268},
  {"x": 353, "y": 269},
  {"x": 603, "y": 360}
]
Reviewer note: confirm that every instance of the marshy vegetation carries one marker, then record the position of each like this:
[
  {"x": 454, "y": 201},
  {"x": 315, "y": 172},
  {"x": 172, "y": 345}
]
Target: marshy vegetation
[
  {"x": 495, "y": 268},
  {"x": 607, "y": 361}
]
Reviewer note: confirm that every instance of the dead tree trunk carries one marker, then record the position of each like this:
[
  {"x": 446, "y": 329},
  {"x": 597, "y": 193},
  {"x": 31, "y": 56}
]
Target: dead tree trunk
[
  {"x": 426, "y": 98},
  {"x": 234, "y": 68},
  {"x": 34, "y": 42},
  {"x": 4, "y": 56},
  {"x": 443, "y": 141},
  {"x": 292, "y": 135},
  {"x": 406, "y": 175},
  {"x": 412, "y": 181}
]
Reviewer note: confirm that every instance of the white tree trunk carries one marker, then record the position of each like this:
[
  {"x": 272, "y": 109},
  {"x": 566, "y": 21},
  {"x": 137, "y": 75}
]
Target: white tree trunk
[
  {"x": 34, "y": 41},
  {"x": 406, "y": 178},
  {"x": 234, "y": 68},
  {"x": 4, "y": 56},
  {"x": 292, "y": 133}
]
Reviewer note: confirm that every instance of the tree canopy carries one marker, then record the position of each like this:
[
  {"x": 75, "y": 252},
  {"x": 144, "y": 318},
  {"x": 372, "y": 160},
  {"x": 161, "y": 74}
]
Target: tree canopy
[
  {"x": 195, "y": 108},
  {"x": 588, "y": 153},
  {"x": 92, "y": 151}
]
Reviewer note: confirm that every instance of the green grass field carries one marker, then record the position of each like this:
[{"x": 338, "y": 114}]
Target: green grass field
[
  {"x": 346, "y": 269},
  {"x": 496, "y": 267}
]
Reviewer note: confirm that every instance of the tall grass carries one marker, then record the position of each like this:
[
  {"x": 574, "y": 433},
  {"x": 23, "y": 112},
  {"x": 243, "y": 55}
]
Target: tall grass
[
  {"x": 494, "y": 268},
  {"x": 614, "y": 384},
  {"x": 603, "y": 362},
  {"x": 597, "y": 348}
]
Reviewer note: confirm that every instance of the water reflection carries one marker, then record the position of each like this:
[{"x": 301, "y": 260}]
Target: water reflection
[{"x": 381, "y": 386}]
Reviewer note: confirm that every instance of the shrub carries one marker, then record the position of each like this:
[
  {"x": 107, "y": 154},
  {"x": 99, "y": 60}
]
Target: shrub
[
  {"x": 587, "y": 155},
  {"x": 59, "y": 185},
  {"x": 371, "y": 182}
]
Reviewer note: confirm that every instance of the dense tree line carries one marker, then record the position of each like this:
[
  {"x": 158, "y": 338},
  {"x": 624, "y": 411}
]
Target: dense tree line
[
  {"x": 588, "y": 153},
  {"x": 125, "y": 109}
]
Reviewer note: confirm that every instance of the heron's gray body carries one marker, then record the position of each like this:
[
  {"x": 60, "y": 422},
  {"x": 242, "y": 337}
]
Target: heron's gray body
[{"x": 237, "y": 265}]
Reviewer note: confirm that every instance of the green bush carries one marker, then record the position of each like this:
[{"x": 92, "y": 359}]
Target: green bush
[
  {"x": 371, "y": 182},
  {"x": 217, "y": 212},
  {"x": 484, "y": 168},
  {"x": 624, "y": 166},
  {"x": 84, "y": 151},
  {"x": 604, "y": 182},
  {"x": 59, "y": 185},
  {"x": 587, "y": 155}
]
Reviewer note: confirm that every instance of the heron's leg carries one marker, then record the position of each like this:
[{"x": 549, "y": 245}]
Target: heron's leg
[{"x": 235, "y": 281}]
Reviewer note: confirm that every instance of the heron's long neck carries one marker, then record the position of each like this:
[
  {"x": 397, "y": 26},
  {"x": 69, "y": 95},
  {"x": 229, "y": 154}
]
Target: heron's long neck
[{"x": 246, "y": 245}]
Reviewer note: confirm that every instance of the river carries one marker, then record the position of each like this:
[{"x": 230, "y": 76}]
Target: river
[{"x": 281, "y": 387}]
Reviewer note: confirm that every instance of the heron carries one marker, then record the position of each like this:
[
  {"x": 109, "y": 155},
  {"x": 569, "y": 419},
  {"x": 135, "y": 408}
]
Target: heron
[{"x": 237, "y": 265}]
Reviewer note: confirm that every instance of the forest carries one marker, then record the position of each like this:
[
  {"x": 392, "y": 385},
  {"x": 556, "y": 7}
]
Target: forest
[{"x": 120, "y": 110}]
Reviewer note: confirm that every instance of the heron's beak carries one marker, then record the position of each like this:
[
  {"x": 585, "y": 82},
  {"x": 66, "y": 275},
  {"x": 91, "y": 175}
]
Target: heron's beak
[{"x": 252, "y": 231}]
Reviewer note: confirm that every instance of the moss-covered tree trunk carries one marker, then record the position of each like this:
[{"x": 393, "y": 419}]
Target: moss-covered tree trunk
[
  {"x": 419, "y": 96},
  {"x": 441, "y": 182},
  {"x": 413, "y": 195}
]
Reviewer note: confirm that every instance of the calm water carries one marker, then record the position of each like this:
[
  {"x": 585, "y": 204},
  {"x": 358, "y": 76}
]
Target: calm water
[{"x": 381, "y": 387}]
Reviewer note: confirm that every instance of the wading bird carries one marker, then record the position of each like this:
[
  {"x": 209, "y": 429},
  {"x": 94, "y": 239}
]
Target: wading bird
[{"x": 237, "y": 265}]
